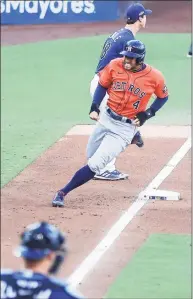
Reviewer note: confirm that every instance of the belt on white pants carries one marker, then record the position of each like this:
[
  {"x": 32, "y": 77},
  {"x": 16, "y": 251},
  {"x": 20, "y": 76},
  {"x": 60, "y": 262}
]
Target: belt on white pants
[{"x": 116, "y": 116}]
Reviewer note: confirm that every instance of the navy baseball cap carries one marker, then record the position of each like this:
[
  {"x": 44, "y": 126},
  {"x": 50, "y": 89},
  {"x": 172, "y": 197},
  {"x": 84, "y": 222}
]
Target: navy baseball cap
[{"x": 135, "y": 11}]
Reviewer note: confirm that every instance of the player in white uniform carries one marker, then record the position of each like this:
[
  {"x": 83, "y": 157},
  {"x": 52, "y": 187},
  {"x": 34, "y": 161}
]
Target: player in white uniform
[{"x": 136, "y": 19}]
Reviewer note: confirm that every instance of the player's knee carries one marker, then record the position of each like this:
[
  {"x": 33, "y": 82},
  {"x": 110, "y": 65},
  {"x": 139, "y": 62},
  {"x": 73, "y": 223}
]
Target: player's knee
[{"x": 96, "y": 165}]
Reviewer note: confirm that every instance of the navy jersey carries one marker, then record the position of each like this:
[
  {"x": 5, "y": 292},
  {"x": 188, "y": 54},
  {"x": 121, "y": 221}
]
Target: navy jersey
[
  {"x": 114, "y": 44},
  {"x": 30, "y": 285}
]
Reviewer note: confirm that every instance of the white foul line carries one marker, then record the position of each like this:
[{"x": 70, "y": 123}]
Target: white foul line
[{"x": 91, "y": 260}]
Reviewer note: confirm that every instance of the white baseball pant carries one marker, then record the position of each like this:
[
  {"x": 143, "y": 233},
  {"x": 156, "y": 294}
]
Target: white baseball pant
[{"x": 93, "y": 85}]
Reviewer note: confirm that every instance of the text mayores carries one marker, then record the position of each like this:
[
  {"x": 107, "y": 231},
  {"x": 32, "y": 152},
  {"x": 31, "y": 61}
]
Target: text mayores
[{"x": 42, "y": 7}]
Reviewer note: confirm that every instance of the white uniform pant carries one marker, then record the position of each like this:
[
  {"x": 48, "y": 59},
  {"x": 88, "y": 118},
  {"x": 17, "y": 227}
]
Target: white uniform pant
[
  {"x": 109, "y": 138},
  {"x": 111, "y": 165}
]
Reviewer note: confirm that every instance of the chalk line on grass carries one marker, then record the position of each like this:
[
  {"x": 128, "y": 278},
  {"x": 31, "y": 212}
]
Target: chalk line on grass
[{"x": 91, "y": 260}]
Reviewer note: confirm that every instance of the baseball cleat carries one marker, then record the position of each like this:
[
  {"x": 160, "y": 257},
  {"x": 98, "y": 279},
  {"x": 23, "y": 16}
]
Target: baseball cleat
[
  {"x": 137, "y": 139},
  {"x": 189, "y": 54},
  {"x": 111, "y": 176},
  {"x": 58, "y": 200}
]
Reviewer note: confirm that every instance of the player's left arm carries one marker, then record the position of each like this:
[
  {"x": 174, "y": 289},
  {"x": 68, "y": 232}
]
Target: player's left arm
[{"x": 161, "y": 93}]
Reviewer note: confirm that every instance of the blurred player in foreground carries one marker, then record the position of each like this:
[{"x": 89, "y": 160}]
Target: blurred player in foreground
[{"x": 43, "y": 251}]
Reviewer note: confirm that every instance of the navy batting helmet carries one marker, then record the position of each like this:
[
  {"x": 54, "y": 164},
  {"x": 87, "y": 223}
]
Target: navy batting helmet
[
  {"x": 135, "y": 49},
  {"x": 39, "y": 240}
]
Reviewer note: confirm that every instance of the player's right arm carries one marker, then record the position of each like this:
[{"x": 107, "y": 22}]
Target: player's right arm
[{"x": 105, "y": 80}]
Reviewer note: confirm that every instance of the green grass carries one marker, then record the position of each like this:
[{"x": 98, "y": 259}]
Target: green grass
[
  {"x": 168, "y": 54},
  {"x": 45, "y": 91},
  {"x": 161, "y": 269}
]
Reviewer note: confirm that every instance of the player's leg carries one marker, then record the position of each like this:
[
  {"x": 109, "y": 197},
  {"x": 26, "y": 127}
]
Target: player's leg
[
  {"x": 95, "y": 140},
  {"x": 111, "y": 146},
  {"x": 109, "y": 172},
  {"x": 111, "y": 167},
  {"x": 84, "y": 174}
]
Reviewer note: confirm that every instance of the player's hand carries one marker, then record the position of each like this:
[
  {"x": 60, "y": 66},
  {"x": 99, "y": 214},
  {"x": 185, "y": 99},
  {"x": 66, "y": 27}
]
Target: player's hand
[
  {"x": 142, "y": 116},
  {"x": 140, "y": 119},
  {"x": 94, "y": 115},
  {"x": 136, "y": 122}
]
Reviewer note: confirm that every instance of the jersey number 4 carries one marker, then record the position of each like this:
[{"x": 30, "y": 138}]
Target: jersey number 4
[{"x": 136, "y": 104}]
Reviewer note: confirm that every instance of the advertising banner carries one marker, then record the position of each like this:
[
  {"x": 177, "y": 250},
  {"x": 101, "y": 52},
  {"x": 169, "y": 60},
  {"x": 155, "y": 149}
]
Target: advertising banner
[{"x": 53, "y": 12}]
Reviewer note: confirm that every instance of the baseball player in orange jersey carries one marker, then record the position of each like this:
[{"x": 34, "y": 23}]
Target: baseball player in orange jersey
[
  {"x": 136, "y": 18},
  {"x": 130, "y": 83}
]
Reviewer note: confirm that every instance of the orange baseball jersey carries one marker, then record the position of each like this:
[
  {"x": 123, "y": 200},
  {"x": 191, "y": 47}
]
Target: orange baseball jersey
[{"x": 130, "y": 92}]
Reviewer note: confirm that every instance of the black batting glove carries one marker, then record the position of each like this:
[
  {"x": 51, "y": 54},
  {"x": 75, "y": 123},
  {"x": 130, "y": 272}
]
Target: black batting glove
[{"x": 144, "y": 115}]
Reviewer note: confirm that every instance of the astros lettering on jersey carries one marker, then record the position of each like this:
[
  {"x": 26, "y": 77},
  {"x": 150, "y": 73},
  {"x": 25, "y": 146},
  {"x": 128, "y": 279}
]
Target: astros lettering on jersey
[{"x": 129, "y": 92}]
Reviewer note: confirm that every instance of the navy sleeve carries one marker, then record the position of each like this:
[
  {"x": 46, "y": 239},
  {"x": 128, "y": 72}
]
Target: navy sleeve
[
  {"x": 99, "y": 95},
  {"x": 158, "y": 103}
]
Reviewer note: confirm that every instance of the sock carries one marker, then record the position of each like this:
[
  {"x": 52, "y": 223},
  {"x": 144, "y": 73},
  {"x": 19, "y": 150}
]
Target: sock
[{"x": 82, "y": 176}]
